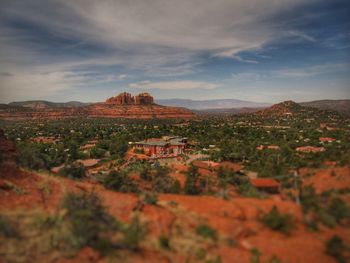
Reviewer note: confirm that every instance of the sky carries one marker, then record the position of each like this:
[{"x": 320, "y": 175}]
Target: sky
[{"x": 256, "y": 50}]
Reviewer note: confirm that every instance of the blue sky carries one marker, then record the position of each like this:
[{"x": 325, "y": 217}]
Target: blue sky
[{"x": 87, "y": 50}]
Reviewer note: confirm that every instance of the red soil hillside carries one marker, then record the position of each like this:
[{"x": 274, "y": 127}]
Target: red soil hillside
[
  {"x": 122, "y": 106},
  {"x": 30, "y": 199}
]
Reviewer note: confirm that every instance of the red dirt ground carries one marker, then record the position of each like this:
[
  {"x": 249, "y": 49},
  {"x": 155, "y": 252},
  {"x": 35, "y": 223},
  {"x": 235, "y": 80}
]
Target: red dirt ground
[
  {"x": 236, "y": 219},
  {"x": 329, "y": 178}
]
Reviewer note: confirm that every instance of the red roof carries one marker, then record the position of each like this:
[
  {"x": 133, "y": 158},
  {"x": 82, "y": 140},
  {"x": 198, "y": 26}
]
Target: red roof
[
  {"x": 326, "y": 139},
  {"x": 88, "y": 162},
  {"x": 310, "y": 149},
  {"x": 205, "y": 164},
  {"x": 231, "y": 166},
  {"x": 264, "y": 182}
]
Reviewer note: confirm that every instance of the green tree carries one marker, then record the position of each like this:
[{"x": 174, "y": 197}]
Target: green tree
[{"x": 191, "y": 187}]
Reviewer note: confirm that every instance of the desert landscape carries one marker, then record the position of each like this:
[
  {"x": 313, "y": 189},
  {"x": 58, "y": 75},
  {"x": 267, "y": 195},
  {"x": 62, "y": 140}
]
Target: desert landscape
[
  {"x": 187, "y": 131},
  {"x": 216, "y": 192}
]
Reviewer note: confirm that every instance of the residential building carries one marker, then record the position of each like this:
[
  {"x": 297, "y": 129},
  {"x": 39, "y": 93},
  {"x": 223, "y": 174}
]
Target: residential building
[{"x": 167, "y": 146}]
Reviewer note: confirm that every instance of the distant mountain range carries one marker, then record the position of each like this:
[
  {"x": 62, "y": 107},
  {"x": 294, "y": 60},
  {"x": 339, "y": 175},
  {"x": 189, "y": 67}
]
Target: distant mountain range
[
  {"x": 342, "y": 106},
  {"x": 40, "y": 104},
  {"x": 211, "y": 104},
  {"x": 216, "y": 106}
]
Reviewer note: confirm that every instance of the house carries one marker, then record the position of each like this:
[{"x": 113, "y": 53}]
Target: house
[
  {"x": 45, "y": 139},
  {"x": 88, "y": 146},
  {"x": 273, "y": 147},
  {"x": 310, "y": 149},
  {"x": 234, "y": 167},
  {"x": 326, "y": 139},
  {"x": 267, "y": 185},
  {"x": 167, "y": 146},
  {"x": 270, "y": 147},
  {"x": 56, "y": 169},
  {"x": 88, "y": 163},
  {"x": 260, "y": 147}
]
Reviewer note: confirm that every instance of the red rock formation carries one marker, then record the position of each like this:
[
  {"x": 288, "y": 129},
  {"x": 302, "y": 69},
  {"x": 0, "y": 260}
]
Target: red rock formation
[
  {"x": 122, "y": 99},
  {"x": 122, "y": 106},
  {"x": 143, "y": 98},
  {"x": 126, "y": 99}
]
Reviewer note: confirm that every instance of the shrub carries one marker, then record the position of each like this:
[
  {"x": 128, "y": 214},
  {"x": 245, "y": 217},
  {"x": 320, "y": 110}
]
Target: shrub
[
  {"x": 73, "y": 171},
  {"x": 176, "y": 188},
  {"x": 96, "y": 152},
  {"x": 309, "y": 199},
  {"x": 90, "y": 224},
  {"x": 120, "y": 181},
  {"x": 164, "y": 242},
  {"x": 7, "y": 228},
  {"x": 139, "y": 151},
  {"x": 191, "y": 187},
  {"x": 201, "y": 254},
  {"x": 216, "y": 260},
  {"x": 206, "y": 231},
  {"x": 145, "y": 174},
  {"x": 278, "y": 222},
  {"x": 327, "y": 209},
  {"x": 336, "y": 248},
  {"x": 31, "y": 157},
  {"x": 150, "y": 198},
  {"x": 248, "y": 190},
  {"x": 255, "y": 255},
  {"x": 326, "y": 218},
  {"x": 164, "y": 184},
  {"x": 338, "y": 209},
  {"x": 274, "y": 259},
  {"x": 134, "y": 234}
]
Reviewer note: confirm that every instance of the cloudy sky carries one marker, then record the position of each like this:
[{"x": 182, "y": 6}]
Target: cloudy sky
[{"x": 259, "y": 50}]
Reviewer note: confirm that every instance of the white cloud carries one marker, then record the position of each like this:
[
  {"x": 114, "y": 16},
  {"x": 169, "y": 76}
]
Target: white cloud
[
  {"x": 311, "y": 70},
  {"x": 223, "y": 27},
  {"x": 174, "y": 85},
  {"x": 22, "y": 85},
  {"x": 159, "y": 38}
]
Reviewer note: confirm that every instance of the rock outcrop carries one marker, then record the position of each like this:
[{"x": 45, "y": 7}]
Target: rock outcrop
[{"x": 126, "y": 99}]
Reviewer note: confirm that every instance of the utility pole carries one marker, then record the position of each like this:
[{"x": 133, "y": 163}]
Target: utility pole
[{"x": 297, "y": 198}]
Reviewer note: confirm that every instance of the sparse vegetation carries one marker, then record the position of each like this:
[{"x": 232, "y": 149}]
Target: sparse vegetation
[
  {"x": 191, "y": 182},
  {"x": 206, "y": 231},
  {"x": 325, "y": 208},
  {"x": 336, "y": 248},
  {"x": 90, "y": 224},
  {"x": 164, "y": 242},
  {"x": 150, "y": 198},
  {"x": 278, "y": 221},
  {"x": 7, "y": 228},
  {"x": 73, "y": 171},
  {"x": 120, "y": 181},
  {"x": 134, "y": 233}
]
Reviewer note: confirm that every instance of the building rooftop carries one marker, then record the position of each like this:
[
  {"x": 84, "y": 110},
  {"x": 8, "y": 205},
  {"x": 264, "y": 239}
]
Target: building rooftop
[
  {"x": 264, "y": 182},
  {"x": 163, "y": 141}
]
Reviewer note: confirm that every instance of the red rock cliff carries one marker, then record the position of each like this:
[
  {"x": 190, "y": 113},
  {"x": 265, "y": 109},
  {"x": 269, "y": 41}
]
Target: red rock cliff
[{"x": 125, "y": 98}]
